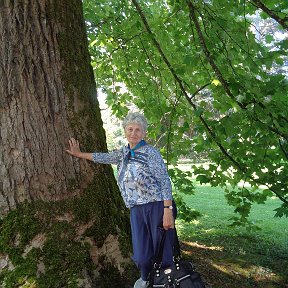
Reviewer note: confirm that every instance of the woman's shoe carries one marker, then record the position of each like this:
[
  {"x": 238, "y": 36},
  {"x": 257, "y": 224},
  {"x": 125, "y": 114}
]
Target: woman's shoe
[{"x": 141, "y": 283}]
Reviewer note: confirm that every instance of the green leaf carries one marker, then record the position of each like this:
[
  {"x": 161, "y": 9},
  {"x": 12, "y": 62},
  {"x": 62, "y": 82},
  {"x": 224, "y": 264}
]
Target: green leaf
[
  {"x": 202, "y": 179},
  {"x": 216, "y": 82},
  {"x": 269, "y": 38},
  {"x": 281, "y": 211}
]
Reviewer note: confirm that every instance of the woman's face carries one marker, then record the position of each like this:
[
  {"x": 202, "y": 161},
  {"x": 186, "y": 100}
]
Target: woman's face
[{"x": 134, "y": 133}]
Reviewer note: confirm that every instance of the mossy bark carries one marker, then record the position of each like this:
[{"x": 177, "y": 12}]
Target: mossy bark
[{"x": 63, "y": 219}]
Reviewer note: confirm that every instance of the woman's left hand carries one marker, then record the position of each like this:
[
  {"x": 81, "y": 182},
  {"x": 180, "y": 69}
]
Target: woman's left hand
[{"x": 168, "y": 219}]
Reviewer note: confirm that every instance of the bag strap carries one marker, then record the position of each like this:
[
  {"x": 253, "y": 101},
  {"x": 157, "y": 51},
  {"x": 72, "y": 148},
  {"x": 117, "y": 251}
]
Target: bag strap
[{"x": 176, "y": 248}]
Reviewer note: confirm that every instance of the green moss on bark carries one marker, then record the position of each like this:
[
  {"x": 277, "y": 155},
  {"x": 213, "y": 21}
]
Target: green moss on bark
[
  {"x": 64, "y": 254},
  {"x": 77, "y": 74}
]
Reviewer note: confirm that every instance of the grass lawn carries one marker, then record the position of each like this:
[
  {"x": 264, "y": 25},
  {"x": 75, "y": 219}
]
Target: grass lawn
[{"x": 235, "y": 257}]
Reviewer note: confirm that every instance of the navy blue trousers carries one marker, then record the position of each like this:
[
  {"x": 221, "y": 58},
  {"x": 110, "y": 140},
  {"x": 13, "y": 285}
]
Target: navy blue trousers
[{"x": 146, "y": 225}]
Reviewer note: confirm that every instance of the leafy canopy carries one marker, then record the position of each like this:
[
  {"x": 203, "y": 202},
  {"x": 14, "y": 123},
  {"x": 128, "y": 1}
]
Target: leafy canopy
[{"x": 210, "y": 76}]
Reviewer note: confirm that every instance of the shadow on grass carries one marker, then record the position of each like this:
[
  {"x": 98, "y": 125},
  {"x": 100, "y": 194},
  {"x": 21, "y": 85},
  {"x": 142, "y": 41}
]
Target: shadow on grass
[{"x": 221, "y": 267}]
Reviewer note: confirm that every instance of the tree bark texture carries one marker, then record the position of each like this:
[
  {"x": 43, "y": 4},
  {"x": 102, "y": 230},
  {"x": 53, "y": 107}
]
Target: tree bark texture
[{"x": 47, "y": 94}]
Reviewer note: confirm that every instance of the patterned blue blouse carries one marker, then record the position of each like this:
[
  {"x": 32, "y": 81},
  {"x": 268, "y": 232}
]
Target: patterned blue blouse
[{"x": 142, "y": 178}]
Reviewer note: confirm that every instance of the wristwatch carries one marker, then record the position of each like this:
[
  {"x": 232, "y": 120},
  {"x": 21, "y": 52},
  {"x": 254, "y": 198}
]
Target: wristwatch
[{"x": 169, "y": 207}]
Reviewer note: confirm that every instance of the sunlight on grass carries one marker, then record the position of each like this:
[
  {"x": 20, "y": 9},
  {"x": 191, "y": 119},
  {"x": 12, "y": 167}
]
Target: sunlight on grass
[
  {"x": 246, "y": 257},
  {"x": 195, "y": 244}
]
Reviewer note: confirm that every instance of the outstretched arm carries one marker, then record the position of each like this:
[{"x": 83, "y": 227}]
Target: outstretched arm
[
  {"x": 75, "y": 151},
  {"x": 97, "y": 157}
]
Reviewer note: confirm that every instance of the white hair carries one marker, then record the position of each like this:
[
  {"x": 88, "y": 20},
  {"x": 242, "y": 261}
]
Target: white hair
[{"x": 135, "y": 117}]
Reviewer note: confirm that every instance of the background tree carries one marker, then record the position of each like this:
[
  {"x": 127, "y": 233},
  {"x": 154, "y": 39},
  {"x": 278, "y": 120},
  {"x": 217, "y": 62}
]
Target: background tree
[
  {"x": 65, "y": 224},
  {"x": 170, "y": 53}
]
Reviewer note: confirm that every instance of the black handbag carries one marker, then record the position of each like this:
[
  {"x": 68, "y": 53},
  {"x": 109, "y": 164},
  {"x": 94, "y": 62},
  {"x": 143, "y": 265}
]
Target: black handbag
[{"x": 180, "y": 275}]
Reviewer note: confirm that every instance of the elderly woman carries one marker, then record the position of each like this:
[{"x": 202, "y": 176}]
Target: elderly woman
[{"x": 146, "y": 189}]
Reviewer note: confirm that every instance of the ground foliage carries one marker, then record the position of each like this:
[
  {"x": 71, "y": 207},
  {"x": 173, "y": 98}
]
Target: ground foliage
[{"x": 208, "y": 78}]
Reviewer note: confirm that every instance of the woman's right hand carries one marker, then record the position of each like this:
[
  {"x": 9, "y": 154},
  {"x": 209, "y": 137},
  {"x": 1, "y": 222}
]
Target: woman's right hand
[{"x": 74, "y": 149}]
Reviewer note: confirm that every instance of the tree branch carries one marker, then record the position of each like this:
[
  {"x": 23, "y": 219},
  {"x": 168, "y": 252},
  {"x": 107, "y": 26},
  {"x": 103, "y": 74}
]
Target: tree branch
[
  {"x": 271, "y": 13},
  {"x": 200, "y": 89},
  {"x": 208, "y": 54},
  {"x": 218, "y": 73},
  {"x": 283, "y": 149},
  {"x": 227, "y": 33}
]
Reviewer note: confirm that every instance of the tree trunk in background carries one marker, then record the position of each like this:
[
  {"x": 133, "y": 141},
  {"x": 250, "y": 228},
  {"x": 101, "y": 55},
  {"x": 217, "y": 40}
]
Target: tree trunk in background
[{"x": 48, "y": 94}]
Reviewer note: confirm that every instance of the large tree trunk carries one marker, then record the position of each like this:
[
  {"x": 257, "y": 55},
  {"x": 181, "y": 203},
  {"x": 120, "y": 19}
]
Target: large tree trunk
[
  {"x": 47, "y": 90},
  {"x": 48, "y": 94}
]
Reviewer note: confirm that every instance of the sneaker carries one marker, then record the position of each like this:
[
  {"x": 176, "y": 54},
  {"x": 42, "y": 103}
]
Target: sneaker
[{"x": 141, "y": 283}]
